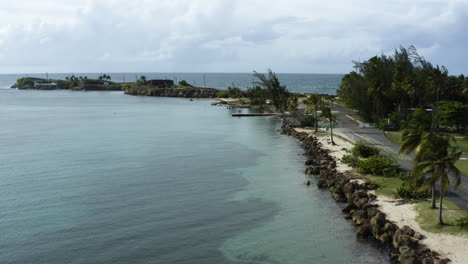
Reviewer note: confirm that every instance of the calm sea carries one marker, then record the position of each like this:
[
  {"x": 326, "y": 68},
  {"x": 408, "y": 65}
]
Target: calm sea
[{"x": 102, "y": 177}]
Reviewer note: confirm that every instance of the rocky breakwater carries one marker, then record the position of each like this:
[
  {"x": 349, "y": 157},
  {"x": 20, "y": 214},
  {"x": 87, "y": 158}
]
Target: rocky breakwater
[
  {"x": 403, "y": 243},
  {"x": 193, "y": 92}
]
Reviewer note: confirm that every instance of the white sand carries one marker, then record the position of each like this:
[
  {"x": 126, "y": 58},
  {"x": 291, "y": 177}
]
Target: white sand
[{"x": 453, "y": 247}]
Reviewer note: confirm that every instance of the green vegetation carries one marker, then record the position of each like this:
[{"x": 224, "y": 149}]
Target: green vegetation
[
  {"x": 363, "y": 150},
  {"x": 379, "y": 165},
  {"x": 351, "y": 160},
  {"x": 185, "y": 84},
  {"x": 427, "y": 217},
  {"x": 269, "y": 87},
  {"x": 410, "y": 188},
  {"x": 387, "y": 185},
  {"x": 462, "y": 222},
  {"x": 307, "y": 121},
  {"x": 231, "y": 92},
  {"x": 393, "y": 136},
  {"x": 313, "y": 104},
  {"x": 384, "y": 89}
]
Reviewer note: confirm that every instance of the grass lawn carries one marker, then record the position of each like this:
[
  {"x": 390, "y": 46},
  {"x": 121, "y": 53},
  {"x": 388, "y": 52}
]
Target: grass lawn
[
  {"x": 388, "y": 185},
  {"x": 393, "y": 136},
  {"x": 427, "y": 217}
]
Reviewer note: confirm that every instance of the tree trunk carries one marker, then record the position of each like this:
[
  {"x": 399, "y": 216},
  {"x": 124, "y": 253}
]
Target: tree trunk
[
  {"x": 441, "y": 221},
  {"x": 331, "y": 132},
  {"x": 433, "y": 199},
  {"x": 316, "y": 121}
]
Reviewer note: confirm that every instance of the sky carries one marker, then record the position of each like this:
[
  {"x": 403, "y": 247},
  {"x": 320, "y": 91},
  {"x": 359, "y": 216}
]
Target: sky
[{"x": 288, "y": 36}]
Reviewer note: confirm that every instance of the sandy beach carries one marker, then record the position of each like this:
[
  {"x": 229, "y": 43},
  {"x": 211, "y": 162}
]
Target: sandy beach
[{"x": 450, "y": 246}]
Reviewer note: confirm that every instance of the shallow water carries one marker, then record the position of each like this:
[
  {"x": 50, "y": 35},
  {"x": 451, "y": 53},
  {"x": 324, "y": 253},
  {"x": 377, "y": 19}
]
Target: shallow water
[{"x": 101, "y": 177}]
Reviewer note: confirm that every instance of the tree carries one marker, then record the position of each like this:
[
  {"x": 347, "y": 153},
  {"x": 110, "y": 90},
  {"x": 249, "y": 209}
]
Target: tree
[
  {"x": 143, "y": 79},
  {"x": 326, "y": 112},
  {"x": 429, "y": 146},
  {"x": 440, "y": 169},
  {"x": 279, "y": 93},
  {"x": 453, "y": 113},
  {"x": 293, "y": 104},
  {"x": 313, "y": 103}
]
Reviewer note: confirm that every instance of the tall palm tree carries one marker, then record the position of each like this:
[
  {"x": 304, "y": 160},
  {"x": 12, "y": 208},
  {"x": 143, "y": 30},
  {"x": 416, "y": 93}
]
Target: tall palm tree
[
  {"x": 440, "y": 169},
  {"x": 326, "y": 112},
  {"x": 313, "y": 103},
  {"x": 428, "y": 146}
]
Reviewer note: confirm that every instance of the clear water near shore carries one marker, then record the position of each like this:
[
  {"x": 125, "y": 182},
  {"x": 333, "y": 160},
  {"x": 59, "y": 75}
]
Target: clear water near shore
[{"x": 101, "y": 177}]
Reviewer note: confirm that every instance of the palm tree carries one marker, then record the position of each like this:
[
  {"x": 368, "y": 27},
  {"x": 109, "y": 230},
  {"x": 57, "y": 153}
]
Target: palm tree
[
  {"x": 441, "y": 169},
  {"x": 326, "y": 112},
  {"x": 428, "y": 146},
  {"x": 293, "y": 104},
  {"x": 313, "y": 104}
]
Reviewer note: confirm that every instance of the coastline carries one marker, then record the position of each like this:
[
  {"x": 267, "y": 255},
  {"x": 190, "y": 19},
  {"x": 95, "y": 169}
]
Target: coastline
[
  {"x": 404, "y": 244},
  {"x": 448, "y": 246}
]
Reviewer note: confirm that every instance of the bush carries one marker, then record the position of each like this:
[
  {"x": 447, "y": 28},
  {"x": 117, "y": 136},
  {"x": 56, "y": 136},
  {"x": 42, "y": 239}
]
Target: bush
[
  {"x": 409, "y": 190},
  {"x": 185, "y": 83},
  {"x": 462, "y": 222},
  {"x": 307, "y": 121},
  {"x": 379, "y": 165},
  {"x": 351, "y": 160},
  {"x": 362, "y": 150},
  {"x": 223, "y": 94}
]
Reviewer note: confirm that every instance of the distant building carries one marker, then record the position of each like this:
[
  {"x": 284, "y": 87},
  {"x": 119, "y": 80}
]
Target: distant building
[
  {"x": 105, "y": 83},
  {"x": 45, "y": 83},
  {"x": 160, "y": 83}
]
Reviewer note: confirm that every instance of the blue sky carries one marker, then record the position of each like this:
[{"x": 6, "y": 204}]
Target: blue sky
[{"x": 225, "y": 36}]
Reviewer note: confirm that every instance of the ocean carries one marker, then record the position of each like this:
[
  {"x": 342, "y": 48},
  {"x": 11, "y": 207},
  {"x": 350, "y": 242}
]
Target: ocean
[{"x": 102, "y": 177}]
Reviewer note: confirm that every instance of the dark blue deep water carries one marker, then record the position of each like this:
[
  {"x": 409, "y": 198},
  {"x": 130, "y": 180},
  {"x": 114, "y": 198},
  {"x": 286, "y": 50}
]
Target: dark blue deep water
[{"x": 102, "y": 177}]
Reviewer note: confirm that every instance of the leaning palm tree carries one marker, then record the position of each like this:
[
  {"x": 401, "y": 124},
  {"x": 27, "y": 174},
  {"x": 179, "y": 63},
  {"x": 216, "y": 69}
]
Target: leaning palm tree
[
  {"x": 326, "y": 112},
  {"x": 313, "y": 103},
  {"x": 441, "y": 169}
]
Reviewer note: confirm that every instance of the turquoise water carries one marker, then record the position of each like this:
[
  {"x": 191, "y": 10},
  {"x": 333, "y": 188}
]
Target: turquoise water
[
  {"x": 102, "y": 177},
  {"x": 303, "y": 83}
]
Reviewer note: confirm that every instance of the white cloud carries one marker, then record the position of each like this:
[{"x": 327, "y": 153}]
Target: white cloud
[{"x": 224, "y": 35}]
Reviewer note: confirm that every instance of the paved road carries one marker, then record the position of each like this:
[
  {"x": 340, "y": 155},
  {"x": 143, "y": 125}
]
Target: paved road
[{"x": 350, "y": 129}]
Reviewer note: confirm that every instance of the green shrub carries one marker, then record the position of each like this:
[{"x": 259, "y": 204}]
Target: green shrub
[
  {"x": 185, "y": 83},
  {"x": 379, "y": 165},
  {"x": 462, "y": 222},
  {"x": 351, "y": 160},
  {"x": 307, "y": 121},
  {"x": 409, "y": 190},
  {"x": 223, "y": 94},
  {"x": 362, "y": 150}
]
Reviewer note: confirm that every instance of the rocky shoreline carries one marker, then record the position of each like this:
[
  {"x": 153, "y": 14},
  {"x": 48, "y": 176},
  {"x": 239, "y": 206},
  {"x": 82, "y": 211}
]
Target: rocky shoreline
[{"x": 403, "y": 244}]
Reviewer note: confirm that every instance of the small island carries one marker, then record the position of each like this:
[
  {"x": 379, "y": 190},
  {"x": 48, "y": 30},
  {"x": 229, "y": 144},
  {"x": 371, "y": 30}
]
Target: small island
[{"x": 103, "y": 83}]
